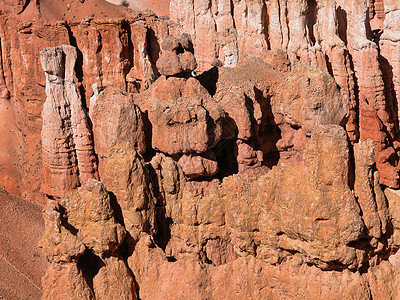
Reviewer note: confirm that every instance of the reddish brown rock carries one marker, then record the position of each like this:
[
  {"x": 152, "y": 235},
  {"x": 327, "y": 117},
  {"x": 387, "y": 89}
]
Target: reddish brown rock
[
  {"x": 176, "y": 58},
  {"x": 334, "y": 36},
  {"x": 183, "y": 108},
  {"x": 115, "y": 117},
  {"x": 277, "y": 105},
  {"x": 199, "y": 165},
  {"x": 111, "y": 43},
  {"x": 369, "y": 194}
]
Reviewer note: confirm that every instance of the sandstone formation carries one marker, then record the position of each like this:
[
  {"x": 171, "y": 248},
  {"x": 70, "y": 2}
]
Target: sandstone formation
[
  {"x": 115, "y": 47},
  {"x": 115, "y": 117},
  {"x": 239, "y": 150},
  {"x": 68, "y": 156},
  {"x": 176, "y": 56},
  {"x": 74, "y": 252},
  {"x": 339, "y": 37}
]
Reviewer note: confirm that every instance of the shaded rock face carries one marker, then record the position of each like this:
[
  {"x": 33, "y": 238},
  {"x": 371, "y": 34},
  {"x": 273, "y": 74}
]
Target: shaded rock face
[
  {"x": 355, "y": 41},
  {"x": 82, "y": 264}
]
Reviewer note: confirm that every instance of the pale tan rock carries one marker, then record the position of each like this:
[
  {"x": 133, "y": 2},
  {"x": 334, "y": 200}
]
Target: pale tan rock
[
  {"x": 68, "y": 156},
  {"x": 89, "y": 211},
  {"x": 114, "y": 280},
  {"x": 393, "y": 197},
  {"x": 127, "y": 177},
  {"x": 59, "y": 243},
  {"x": 65, "y": 281}
]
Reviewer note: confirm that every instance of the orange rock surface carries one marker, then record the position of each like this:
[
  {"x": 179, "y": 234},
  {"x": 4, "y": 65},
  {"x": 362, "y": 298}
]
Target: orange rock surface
[{"x": 239, "y": 150}]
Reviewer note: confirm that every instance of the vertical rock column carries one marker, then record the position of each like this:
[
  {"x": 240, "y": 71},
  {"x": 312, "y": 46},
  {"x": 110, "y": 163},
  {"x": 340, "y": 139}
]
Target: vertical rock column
[{"x": 68, "y": 155}]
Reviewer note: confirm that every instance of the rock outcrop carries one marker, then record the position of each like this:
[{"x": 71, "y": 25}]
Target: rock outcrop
[
  {"x": 255, "y": 157},
  {"x": 115, "y": 47},
  {"x": 115, "y": 117},
  {"x": 68, "y": 156},
  {"x": 83, "y": 264},
  {"x": 339, "y": 37}
]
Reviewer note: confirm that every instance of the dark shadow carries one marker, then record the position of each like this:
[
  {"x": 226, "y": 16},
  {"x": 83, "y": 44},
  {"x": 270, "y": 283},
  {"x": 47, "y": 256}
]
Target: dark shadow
[
  {"x": 351, "y": 167},
  {"x": 163, "y": 234},
  {"x": 64, "y": 221},
  {"x": 226, "y": 153},
  {"x": 329, "y": 65},
  {"x": 116, "y": 209},
  {"x": 78, "y": 66},
  {"x": 209, "y": 80},
  {"x": 311, "y": 19},
  {"x": 268, "y": 131},
  {"x": 25, "y": 6},
  {"x": 153, "y": 48},
  {"x": 148, "y": 134},
  {"x": 127, "y": 51},
  {"x": 341, "y": 16},
  {"x": 90, "y": 264},
  {"x": 368, "y": 25},
  {"x": 390, "y": 93},
  {"x": 356, "y": 95},
  {"x": 266, "y": 23}
]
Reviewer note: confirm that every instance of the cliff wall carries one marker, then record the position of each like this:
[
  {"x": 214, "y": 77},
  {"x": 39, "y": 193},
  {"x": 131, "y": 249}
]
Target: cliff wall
[{"x": 255, "y": 157}]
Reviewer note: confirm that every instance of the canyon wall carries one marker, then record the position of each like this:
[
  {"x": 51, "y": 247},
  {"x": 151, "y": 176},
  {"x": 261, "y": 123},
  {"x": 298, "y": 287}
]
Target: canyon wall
[
  {"x": 355, "y": 41},
  {"x": 114, "y": 47},
  {"x": 247, "y": 150}
]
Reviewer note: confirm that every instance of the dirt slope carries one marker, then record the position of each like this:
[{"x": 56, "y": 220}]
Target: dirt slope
[{"x": 21, "y": 262}]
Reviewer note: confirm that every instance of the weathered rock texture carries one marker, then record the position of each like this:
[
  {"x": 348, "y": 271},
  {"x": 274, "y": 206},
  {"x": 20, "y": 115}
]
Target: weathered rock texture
[
  {"x": 339, "y": 37},
  {"x": 68, "y": 156},
  {"x": 115, "y": 47},
  {"x": 274, "y": 176},
  {"x": 301, "y": 201},
  {"x": 244, "y": 238}
]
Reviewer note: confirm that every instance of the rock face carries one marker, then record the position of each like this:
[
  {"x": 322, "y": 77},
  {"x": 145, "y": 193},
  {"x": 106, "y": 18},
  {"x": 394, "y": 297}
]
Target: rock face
[
  {"x": 295, "y": 223},
  {"x": 176, "y": 56},
  {"x": 115, "y": 117},
  {"x": 339, "y": 37},
  {"x": 256, "y": 158},
  {"x": 115, "y": 47},
  {"x": 84, "y": 265},
  {"x": 68, "y": 156}
]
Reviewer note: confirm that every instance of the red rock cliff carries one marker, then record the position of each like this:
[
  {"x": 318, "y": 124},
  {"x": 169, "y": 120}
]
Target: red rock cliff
[{"x": 255, "y": 157}]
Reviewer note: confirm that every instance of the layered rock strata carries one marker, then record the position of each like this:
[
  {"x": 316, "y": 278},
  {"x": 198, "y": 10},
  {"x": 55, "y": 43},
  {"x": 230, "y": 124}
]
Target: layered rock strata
[
  {"x": 238, "y": 182},
  {"x": 68, "y": 156},
  {"x": 115, "y": 47},
  {"x": 339, "y": 37},
  {"x": 299, "y": 196}
]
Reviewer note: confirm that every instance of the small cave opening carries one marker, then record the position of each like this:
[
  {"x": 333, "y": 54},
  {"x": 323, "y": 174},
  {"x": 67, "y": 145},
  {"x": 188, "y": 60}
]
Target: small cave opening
[
  {"x": 226, "y": 153},
  {"x": 90, "y": 265}
]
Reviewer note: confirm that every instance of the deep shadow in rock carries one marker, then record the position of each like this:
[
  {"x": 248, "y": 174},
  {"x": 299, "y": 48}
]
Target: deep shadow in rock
[{"x": 209, "y": 80}]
